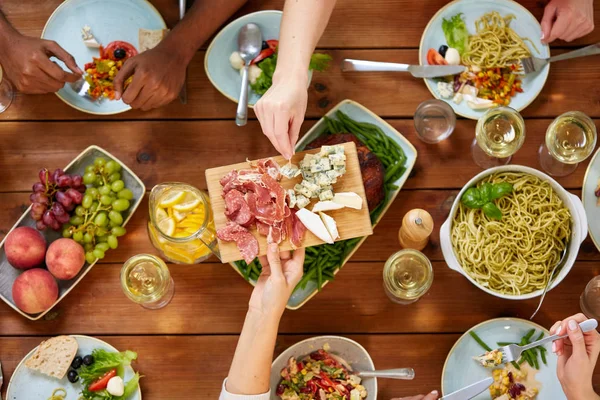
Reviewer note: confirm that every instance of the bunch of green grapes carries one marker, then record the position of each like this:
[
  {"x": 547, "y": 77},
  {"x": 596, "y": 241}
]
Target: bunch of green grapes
[{"x": 98, "y": 220}]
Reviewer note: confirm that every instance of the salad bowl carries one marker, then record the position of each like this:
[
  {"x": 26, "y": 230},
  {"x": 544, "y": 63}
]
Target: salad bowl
[{"x": 351, "y": 351}]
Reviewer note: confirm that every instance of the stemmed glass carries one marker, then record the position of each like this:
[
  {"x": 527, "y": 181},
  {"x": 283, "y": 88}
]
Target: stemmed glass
[
  {"x": 590, "y": 298},
  {"x": 570, "y": 139},
  {"x": 6, "y": 92},
  {"x": 499, "y": 134}
]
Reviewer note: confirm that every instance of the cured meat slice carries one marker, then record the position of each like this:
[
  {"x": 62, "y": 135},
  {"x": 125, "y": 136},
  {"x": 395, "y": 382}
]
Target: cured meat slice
[
  {"x": 229, "y": 177},
  {"x": 265, "y": 213},
  {"x": 296, "y": 234},
  {"x": 263, "y": 229},
  {"x": 270, "y": 167},
  {"x": 245, "y": 241},
  {"x": 236, "y": 208}
]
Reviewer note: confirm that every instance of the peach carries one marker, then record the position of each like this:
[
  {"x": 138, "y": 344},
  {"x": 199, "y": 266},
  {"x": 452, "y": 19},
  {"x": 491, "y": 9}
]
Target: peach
[
  {"x": 65, "y": 258},
  {"x": 25, "y": 248},
  {"x": 34, "y": 291}
]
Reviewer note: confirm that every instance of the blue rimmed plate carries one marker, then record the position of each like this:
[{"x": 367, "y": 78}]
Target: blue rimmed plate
[
  {"x": 110, "y": 20},
  {"x": 461, "y": 370},
  {"x": 590, "y": 201},
  {"x": 27, "y": 384},
  {"x": 221, "y": 74},
  {"x": 525, "y": 25}
]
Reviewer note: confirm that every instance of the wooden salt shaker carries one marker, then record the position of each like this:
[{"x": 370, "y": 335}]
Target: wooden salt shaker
[{"x": 416, "y": 228}]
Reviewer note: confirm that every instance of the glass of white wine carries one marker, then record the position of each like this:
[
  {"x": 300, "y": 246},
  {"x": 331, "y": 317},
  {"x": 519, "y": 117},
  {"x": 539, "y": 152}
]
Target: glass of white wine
[
  {"x": 145, "y": 280},
  {"x": 499, "y": 134},
  {"x": 407, "y": 275},
  {"x": 570, "y": 139}
]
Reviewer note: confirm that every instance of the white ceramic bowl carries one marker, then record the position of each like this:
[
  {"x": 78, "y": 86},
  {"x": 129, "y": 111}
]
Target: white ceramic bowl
[
  {"x": 578, "y": 231},
  {"x": 356, "y": 355}
]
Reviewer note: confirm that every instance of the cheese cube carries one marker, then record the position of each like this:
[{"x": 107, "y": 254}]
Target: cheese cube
[
  {"x": 306, "y": 174},
  {"x": 337, "y": 159},
  {"x": 291, "y": 195},
  {"x": 322, "y": 179},
  {"x": 301, "y": 201},
  {"x": 326, "y": 195},
  {"x": 332, "y": 175},
  {"x": 327, "y": 150},
  {"x": 322, "y": 165},
  {"x": 313, "y": 187},
  {"x": 289, "y": 171}
]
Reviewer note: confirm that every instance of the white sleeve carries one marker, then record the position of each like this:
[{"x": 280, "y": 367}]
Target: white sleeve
[{"x": 225, "y": 395}]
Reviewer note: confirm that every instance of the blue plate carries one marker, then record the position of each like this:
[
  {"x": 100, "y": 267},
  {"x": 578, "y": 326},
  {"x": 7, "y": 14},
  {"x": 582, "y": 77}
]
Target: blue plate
[
  {"x": 525, "y": 25},
  {"x": 461, "y": 370},
  {"x": 221, "y": 74},
  {"x": 28, "y": 384},
  {"x": 110, "y": 20},
  {"x": 592, "y": 210}
]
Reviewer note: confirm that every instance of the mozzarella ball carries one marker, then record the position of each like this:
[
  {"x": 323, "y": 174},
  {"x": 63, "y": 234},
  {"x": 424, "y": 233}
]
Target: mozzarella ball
[
  {"x": 115, "y": 386},
  {"x": 452, "y": 56},
  {"x": 236, "y": 60}
]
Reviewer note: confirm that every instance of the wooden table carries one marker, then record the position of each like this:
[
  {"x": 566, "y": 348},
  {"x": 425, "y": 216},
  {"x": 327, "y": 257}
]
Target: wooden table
[{"x": 186, "y": 348}]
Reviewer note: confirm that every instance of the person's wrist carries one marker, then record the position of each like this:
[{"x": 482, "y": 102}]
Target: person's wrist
[
  {"x": 283, "y": 75},
  {"x": 584, "y": 393},
  {"x": 179, "y": 49},
  {"x": 7, "y": 37},
  {"x": 265, "y": 317}
]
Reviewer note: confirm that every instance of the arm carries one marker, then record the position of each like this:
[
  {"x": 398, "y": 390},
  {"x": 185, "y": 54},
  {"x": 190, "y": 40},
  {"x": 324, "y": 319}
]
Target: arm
[
  {"x": 159, "y": 73},
  {"x": 26, "y": 61},
  {"x": 567, "y": 20},
  {"x": 251, "y": 367},
  {"x": 281, "y": 110},
  {"x": 577, "y": 356}
]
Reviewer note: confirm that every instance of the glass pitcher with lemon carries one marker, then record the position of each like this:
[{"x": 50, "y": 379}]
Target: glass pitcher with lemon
[{"x": 181, "y": 224}]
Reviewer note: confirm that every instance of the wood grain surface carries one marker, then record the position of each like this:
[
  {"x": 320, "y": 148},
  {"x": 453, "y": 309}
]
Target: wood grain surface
[
  {"x": 186, "y": 348},
  {"x": 350, "y": 223}
]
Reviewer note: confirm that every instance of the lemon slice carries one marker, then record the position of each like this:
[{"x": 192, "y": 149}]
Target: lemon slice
[
  {"x": 167, "y": 226},
  {"x": 177, "y": 255},
  {"x": 179, "y": 216},
  {"x": 187, "y": 205},
  {"x": 172, "y": 198},
  {"x": 161, "y": 214}
]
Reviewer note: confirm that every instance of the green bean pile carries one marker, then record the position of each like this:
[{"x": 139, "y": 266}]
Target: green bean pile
[
  {"x": 321, "y": 262},
  {"x": 530, "y": 356}
]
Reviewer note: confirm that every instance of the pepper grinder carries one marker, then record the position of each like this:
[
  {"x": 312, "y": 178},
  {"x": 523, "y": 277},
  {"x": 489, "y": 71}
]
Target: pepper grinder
[{"x": 416, "y": 228}]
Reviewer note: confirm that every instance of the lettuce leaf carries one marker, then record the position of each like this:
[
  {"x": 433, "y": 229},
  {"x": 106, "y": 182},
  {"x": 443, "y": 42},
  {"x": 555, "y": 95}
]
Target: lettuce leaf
[
  {"x": 319, "y": 61},
  {"x": 104, "y": 361},
  {"x": 456, "y": 33}
]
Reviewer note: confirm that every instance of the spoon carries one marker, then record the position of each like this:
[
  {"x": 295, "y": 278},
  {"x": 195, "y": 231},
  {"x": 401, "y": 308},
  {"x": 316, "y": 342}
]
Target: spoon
[{"x": 249, "y": 47}]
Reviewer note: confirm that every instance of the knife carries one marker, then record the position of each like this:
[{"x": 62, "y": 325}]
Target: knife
[
  {"x": 183, "y": 92},
  {"x": 470, "y": 391},
  {"x": 418, "y": 71}
]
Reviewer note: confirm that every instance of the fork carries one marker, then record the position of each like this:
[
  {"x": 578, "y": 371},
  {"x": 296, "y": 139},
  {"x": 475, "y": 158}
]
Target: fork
[
  {"x": 557, "y": 268},
  {"x": 512, "y": 352},
  {"x": 532, "y": 64},
  {"x": 81, "y": 87}
]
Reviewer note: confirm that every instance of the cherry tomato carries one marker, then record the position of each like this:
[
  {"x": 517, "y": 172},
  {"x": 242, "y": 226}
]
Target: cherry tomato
[
  {"x": 266, "y": 53},
  {"x": 102, "y": 382},
  {"x": 110, "y": 48},
  {"x": 435, "y": 58}
]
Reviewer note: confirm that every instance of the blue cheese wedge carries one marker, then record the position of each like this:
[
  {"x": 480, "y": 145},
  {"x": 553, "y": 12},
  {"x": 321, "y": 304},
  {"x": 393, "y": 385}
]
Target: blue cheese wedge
[
  {"x": 315, "y": 224},
  {"x": 302, "y": 201},
  {"x": 290, "y": 171}
]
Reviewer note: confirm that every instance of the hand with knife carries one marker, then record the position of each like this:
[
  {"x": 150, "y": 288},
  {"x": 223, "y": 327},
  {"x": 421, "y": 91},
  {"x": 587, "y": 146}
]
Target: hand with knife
[{"x": 159, "y": 73}]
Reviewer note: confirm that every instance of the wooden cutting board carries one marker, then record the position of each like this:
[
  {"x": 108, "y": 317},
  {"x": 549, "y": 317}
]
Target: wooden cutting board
[{"x": 351, "y": 223}]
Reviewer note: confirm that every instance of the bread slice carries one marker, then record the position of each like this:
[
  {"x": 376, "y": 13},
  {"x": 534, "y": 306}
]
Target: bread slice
[
  {"x": 54, "y": 356},
  {"x": 148, "y": 38}
]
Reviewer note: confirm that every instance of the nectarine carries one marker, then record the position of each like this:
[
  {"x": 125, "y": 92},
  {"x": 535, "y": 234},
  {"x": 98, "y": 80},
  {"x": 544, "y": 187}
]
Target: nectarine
[
  {"x": 25, "y": 248},
  {"x": 34, "y": 291},
  {"x": 65, "y": 258}
]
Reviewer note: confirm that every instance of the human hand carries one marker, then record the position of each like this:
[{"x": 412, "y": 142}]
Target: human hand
[
  {"x": 281, "y": 272},
  {"x": 26, "y": 62},
  {"x": 577, "y": 356},
  {"x": 281, "y": 110},
  {"x": 431, "y": 396},
  {"x": 567, "y": 20},
  {"x": 158, "y": 75}
]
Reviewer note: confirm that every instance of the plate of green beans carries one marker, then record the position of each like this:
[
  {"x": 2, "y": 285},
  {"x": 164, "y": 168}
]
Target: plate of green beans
[{"x": 398, "y": 157}]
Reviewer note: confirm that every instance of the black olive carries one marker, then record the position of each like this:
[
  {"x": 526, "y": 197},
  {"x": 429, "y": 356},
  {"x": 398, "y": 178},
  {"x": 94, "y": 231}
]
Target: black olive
[
  {"x": 88, "y": 360},
  {"x": 265, "y": 45},
  {"x": 72, "y": 376},
  {"x": 443, "y": 49},
  {"x": 120, "y": 53},
  {"x": 77, "y": 361}
]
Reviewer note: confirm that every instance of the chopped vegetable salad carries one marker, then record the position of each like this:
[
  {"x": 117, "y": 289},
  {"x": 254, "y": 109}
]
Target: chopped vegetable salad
[
  {"x": 319, "y": 376},
  {"x": 101, "y": 72}
]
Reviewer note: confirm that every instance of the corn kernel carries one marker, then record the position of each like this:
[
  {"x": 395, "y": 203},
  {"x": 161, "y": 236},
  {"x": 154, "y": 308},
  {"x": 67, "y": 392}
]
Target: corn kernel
[{"x": 303, "y": 372}]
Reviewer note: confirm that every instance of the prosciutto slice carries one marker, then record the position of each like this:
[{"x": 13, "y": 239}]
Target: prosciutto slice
[{"x": 254, "y": 197}]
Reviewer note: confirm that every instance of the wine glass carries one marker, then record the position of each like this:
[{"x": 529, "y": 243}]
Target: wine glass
[
  {"x": 499, "y": 134},
  {"x": 6, "y": 92},
  {"x": 590, "y": 298},
  {"x": 570, "y": 139}
]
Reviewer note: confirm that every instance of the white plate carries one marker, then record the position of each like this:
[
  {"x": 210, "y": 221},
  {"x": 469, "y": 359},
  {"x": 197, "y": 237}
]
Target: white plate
[
  {"x": 461, "y": 370},
  {"x": 110, "y": 20},
  {"x": 525, "y": 25},
  {"x": 26, "y": 384},
  {"x": 592, "y": 211}
]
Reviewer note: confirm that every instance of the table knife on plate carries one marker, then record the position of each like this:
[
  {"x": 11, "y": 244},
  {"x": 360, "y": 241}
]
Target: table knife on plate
[
  {"x": 183, "y": 92},
  {"x": 418, "y": 71},
  {"x": 470, "y": 391}
]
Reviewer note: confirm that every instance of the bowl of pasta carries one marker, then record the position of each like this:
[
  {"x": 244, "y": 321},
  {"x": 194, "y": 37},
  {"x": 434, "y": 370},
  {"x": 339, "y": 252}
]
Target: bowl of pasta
[{"x": 511, "y": 230}]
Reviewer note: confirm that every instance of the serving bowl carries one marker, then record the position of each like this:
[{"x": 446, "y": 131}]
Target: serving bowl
[
  {"x": 356, "y": 355},
  {"x": 578, "y": 228}
]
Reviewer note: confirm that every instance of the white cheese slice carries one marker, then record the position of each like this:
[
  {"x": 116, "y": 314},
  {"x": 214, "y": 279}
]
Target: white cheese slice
[
  {"x": 348, "y": 199},
  {"x": 88, "y": 39},
  {"x": 326, "y": 206},
  {"x": 330, "y": 225},
  {"x": 91, "y": 43},
  {"x": 315, "y": 224}
]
